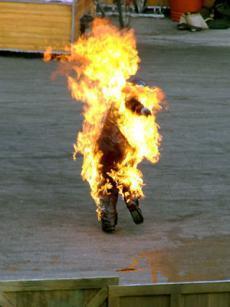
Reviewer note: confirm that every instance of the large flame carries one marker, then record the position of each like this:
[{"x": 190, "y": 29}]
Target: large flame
[{"x": 103, "y": 62}]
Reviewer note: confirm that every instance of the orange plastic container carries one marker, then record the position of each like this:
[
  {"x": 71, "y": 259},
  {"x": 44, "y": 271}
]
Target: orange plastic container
[{"x": 179, "y": 7}]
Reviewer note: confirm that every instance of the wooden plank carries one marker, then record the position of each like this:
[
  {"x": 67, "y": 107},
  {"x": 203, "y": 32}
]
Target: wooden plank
[
  {"x": 136, "y": 296},
  {"x": 88, "y": 295},
  {"x": 114, "y": 301},
  {"x": 2, "y": 299},
  {"x": 195, "y": 300},
  {"x": 219, "y": 300},
  {"x": 176, "y": 300},
  {"x": 61, "y": 284},
  {"x": 139, "y": 290},
  {"x": 170, "y": 288},
  {"x": 145, "y": 301},
  {"x": 205, "y": 287},
  {"x": 73, "y": 21},
  {"x": 50, "y": 298},
  {"x": 46, "y": 8},
  {"x": 8, "y": 300},
  {"x": 99, "y": 298}
]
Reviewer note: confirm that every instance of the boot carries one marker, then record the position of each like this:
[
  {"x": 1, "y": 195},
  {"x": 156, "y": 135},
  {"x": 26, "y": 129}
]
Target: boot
[
  {"x": 108, "y": 213},
  {"x": 135, "y": 211}
]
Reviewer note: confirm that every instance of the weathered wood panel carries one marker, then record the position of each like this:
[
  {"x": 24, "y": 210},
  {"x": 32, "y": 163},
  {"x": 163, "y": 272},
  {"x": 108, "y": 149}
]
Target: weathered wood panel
[
  {"x": 210, "y": 300},
  {"x": 34, "y": 26},
  {"x": 102, "y": 292},
  {"x": 56, "y": 284},
  {"x": 146, "y": 301},
  {"x": 53, "y": 293},
  {"x": 210, "y": 294}
]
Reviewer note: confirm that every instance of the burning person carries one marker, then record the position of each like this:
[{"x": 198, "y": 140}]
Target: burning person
[
  {"x": 119, "y": 128},
  {"x": 115, "y": 149}
]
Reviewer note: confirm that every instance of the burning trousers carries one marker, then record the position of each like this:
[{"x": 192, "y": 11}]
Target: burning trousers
[
  {"x": 113, "y": 146},
  {"x": 108, "y": 198}
]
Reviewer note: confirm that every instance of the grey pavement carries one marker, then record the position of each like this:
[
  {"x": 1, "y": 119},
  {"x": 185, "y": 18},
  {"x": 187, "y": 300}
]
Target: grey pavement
[{"x": 47, "y": 219}]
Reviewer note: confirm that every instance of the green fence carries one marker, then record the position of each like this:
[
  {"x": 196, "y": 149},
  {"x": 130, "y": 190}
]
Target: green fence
[
  {"x": 90, "y": 292},
  {"x": 103, "y": 292},
  {"x": 197, "y": 294}
]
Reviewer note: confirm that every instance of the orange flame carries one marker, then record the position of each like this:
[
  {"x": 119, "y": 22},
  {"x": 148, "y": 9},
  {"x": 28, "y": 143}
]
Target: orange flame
[{"x": 102, "y": 62}]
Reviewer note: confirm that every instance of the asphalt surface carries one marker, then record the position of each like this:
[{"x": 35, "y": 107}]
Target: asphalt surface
[{"x": 48, "y": 224}]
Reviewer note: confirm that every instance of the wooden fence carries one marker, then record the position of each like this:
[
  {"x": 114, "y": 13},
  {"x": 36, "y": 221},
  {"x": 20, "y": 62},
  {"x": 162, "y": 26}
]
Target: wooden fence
[
  {"x": 90, "y": 292},
  {"x": 103, "y": 292},
  {"x": 197, "y": 294}
]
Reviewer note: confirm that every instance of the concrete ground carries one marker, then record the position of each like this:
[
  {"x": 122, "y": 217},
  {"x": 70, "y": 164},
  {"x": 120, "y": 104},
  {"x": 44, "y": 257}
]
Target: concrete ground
[{"x": 47, "y": 220}]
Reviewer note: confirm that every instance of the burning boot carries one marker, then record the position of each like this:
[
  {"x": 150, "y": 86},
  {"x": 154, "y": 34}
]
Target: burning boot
[
  {"x": 135, "y": 211},
  {"x": 108, "y": 213}
]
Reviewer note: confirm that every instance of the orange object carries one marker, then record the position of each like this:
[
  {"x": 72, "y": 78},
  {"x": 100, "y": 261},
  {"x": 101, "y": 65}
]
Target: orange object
[{"x": 179, "y": 7}]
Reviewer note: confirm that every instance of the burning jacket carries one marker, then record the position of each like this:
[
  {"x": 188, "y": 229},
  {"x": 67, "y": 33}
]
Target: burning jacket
[{"x": 112, "y": 142}]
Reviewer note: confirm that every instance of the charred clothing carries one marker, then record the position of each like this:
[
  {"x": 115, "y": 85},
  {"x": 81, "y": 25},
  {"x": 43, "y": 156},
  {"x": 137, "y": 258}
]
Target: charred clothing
[{"x": 112, "y": 144}]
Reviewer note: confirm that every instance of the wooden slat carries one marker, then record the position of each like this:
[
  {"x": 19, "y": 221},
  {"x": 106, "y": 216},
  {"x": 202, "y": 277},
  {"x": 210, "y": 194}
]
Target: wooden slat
[
  {"x": 140, "y": 290},
  {"x": 176, "y": 300},
  {"x": 61, "y": 284},
  {"x": 204, "y": 287},
  {"x": 73, "y": 21},
  {"x": 114, "y": 301},
  {"x": 198, "y": 300},
  {"x": 46, "y": 8},
  {"x": 99, "y": 298},
  {"x": 50, "y": 298},
  {"x": 145, "y": 301},
  {"x": 158, "y": 289},
  {"x": 219, "y": 300},
  {"x": 8, "y": 300},
  {"x": 3, "y": 300},
  {"x": 209, "y": 300}
]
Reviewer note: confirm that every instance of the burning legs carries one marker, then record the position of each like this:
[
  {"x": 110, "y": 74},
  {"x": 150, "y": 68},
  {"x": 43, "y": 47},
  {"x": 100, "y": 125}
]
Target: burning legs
[
  {"x": 107, "y": 211},
  {"x": 107, "y": 208},
  {"x": 133, "y": 206},
  {"x": 116, "y": 167}
]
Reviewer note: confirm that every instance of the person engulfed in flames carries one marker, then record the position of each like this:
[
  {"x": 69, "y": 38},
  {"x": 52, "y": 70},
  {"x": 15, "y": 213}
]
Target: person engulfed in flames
[
  {"x": 119, "y": 128},
  {"x": 114, "y": 146}
]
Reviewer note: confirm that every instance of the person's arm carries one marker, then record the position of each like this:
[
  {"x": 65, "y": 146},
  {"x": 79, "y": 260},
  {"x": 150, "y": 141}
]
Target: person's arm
[{"x": 137, "y": 107}]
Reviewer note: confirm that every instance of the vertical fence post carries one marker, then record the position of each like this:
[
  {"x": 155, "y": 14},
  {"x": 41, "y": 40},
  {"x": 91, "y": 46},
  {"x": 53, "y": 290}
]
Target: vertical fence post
[{"x": 73, "y": 22}]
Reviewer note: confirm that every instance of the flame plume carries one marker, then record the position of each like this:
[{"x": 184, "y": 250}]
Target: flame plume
[{"x": 103, "y": 61}]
